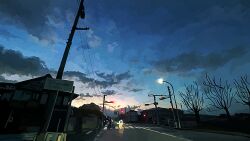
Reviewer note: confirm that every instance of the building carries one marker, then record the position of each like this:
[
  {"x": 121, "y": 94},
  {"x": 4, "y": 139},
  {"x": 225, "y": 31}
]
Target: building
[
  {"x": 24, "y": 106},
  {"x": 165, "y": 115},
  {"x": 86, "y": 117},
  {"x": 131, "y": 116}
]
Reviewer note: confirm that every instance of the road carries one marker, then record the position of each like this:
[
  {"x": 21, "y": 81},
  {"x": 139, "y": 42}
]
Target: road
[
  {"x": 138, "y": 132},
  {"x": 151, "y": 133}
]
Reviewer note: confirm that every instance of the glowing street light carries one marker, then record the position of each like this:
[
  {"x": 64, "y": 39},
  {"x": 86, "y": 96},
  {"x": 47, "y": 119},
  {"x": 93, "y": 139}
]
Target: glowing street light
[{"x": 160, "y": 80}]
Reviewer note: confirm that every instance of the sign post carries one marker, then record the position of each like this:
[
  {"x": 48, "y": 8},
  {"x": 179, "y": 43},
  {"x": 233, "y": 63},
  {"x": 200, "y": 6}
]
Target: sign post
[{"x": 56, "y": 85}]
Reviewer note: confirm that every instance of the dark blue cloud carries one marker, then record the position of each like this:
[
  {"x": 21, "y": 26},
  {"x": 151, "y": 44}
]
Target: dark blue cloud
[{"x": 192, "y": 61}]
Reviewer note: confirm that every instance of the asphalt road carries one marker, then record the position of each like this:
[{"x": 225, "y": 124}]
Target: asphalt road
[
  {"x": 151, "y": 133},
  {"x": 138, "y": 132}
]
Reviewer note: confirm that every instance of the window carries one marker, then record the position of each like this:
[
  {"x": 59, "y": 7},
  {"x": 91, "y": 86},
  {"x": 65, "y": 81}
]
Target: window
[
  {"x": 35, "y": 96},
  {"x": 21, "y": 96},
  {"x": 44, "y": 98},
  {"x": 6, "y": 96}
]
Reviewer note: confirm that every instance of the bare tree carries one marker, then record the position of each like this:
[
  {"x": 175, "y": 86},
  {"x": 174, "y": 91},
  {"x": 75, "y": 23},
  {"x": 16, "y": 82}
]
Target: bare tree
[
  {"x": 219, "y": 94},
  {"x": 193, "y": 99},
  {"x": 243, "y": 90}
]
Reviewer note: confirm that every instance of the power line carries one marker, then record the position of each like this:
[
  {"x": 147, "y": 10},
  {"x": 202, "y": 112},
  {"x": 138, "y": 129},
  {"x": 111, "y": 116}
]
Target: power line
[
  {"x": 83, "y": 52},
  {"x": 91, "y": 62}
]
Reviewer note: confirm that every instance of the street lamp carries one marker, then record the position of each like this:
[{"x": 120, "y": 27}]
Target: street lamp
[{"x": 161, "y": 81}]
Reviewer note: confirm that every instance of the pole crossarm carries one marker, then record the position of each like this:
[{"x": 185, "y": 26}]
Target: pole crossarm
[{"x": 82, "y": 28}]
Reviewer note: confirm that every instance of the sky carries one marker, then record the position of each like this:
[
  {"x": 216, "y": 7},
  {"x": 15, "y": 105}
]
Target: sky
[{"x": 130, "y": 45}]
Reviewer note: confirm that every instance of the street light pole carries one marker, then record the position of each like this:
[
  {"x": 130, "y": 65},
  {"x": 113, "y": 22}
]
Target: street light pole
[
  {"x": 161, "y": 81},
  {"x": 170, "y": 96},
  {"x": 178, "y": 116},
  {"x": 171, "y": 102}
]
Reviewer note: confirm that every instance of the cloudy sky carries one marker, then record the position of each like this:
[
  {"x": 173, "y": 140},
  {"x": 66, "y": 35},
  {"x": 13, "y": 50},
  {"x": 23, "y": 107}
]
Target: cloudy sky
[{"x": 130, "y": 44}]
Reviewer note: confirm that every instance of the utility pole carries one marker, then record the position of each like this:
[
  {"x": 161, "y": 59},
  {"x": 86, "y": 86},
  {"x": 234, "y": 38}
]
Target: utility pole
[
  {"x": 53, "y": 99},
  {"x": 103, "y": 103},
  {"x": 156, "y": 109},
  {"x": 68, "y": 111},
  {"x": 80, "y": 13},
  {"x": 103, "y": 109},
  {"x": 177, "y": 113}
]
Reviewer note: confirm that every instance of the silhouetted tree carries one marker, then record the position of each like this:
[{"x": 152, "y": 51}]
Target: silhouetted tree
[
  {"x": 243, "y": 90},
  {"x": 192, "y": 98},
  {"x": 219, "y": 94}
]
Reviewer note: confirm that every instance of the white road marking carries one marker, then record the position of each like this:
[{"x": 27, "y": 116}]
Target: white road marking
[
  {"x": 89, "y": 132},
  {"x": 105, "y": 128},
  {"x": 145, "y": 128}
]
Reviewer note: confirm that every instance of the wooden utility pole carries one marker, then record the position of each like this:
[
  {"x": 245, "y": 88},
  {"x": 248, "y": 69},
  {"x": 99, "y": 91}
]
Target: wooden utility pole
[
  {"x": 52, "y": 101},
  {"x": 80, "y": 13},
  {"x": 103, "y": 108},
  {"x": 156, "y": 110}
]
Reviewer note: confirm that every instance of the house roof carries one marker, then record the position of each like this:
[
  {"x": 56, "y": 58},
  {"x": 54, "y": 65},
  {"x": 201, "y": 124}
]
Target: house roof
[
  {"x": 35, "y": 84},
  {"x": 34, "y": 79}
]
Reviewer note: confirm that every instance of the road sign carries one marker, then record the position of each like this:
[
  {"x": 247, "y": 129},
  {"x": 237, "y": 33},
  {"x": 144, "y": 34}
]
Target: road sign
[{"x": 58, "y": 85}]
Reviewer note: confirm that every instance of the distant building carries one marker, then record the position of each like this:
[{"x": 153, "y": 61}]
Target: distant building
[
  {"x": 165, "y": 115},
  {"x": 131, "y": 116},
  {"x": 24, "y": 106},
  {"x": 86, "y": 117}
]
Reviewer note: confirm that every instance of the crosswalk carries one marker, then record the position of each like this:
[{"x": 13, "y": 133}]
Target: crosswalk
[
  {"x": 135, "y": 127},
  {"x": 128, "y": 126}
]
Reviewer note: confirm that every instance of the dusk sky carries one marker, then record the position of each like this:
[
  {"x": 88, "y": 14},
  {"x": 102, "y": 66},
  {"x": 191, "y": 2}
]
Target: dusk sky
[{"x": 130, "y": 44}]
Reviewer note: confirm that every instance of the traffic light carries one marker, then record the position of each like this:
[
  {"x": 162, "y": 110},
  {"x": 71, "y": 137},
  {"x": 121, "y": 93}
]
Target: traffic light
[{"x": 122, "y": 111}]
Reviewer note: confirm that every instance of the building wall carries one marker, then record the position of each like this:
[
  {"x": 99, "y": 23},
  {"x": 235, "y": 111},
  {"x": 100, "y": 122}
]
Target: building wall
[
  {"x": 131, "y": 116},
  {"x": 83, "y": 123},
  {"x": 26, "y": 111},
  {"x": 165, "y": 115}
]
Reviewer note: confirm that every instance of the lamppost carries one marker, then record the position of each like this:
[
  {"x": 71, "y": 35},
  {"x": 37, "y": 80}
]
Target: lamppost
[{"x": 161, "y": 81}]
